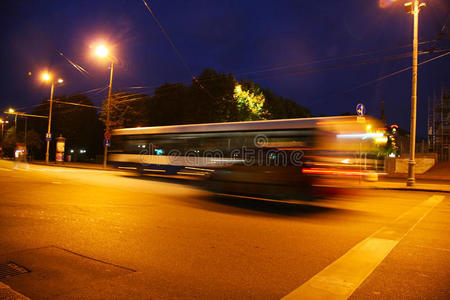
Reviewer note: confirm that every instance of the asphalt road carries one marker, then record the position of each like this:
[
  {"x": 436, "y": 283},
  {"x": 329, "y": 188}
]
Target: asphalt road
[{"x": 102, "y": 234}]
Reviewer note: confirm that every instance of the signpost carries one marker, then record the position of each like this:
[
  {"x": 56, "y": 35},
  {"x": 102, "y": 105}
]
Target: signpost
[
  {"x": 360, "y": 112},
  {"x": 107, "y": 140},
  {"x": 360, "y": 109}
]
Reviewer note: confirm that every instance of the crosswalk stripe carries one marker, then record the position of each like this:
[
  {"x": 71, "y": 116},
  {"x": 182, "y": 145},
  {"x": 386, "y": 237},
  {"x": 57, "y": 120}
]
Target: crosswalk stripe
[{"x": 342, "y": 277}]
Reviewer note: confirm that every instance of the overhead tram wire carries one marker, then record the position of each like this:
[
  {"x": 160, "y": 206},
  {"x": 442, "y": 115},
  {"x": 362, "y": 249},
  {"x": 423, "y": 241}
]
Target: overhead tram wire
[
  {"x": 176, "y": 50},
  {"x": 428, "y": 51},
  {"x": 44, "y": 37},
  {"x": 293, "y": 65},
  {"x": 128, "y": 97},
  {"x": 77, "y": 104},
  {"x": 334, "y": 58},
  {"x": 337, "y": 66},
  {"x": 97, "y": 90},
  {"x": 285, "y": 66},
  {"x": 169, "y": 40},
  {"x": 154, "y": 87},
  {"x": 367, "y": 61},
  {"x": 315, "y": 102}
]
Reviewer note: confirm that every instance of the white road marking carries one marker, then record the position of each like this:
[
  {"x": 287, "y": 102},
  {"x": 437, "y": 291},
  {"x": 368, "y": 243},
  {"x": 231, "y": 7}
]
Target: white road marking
[
  {"x": 56, "y": 182},
  {"x": 4, "y": 169},
  {"x": 342, "y": 277}
]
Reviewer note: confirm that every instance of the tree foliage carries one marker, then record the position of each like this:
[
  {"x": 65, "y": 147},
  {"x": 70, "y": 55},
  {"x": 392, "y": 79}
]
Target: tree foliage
[
  {"x": 211, "y": 97},
  {"x": 126, "y": 110},
  {"x": 80, "y": 125}
]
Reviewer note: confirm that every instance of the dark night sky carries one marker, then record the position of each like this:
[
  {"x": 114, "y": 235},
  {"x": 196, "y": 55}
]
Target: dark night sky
[{"x": 230, "y": 36}]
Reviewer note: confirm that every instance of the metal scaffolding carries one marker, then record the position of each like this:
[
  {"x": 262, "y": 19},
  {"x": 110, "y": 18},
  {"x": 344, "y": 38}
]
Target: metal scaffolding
[{"x": 439, "y": 125}]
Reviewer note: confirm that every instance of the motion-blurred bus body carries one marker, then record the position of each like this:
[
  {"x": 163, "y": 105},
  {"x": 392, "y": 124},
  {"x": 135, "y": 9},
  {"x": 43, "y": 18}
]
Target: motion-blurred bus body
[{"x": 272, "y": 157}]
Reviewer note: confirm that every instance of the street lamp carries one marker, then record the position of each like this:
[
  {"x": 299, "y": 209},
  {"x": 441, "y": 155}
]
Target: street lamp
[
  {"x": 413, "y": 8},
  {"x": 3, "y": 124},
  {"x": 12, "y": 111},
  {"x": 103, "y": 52},
  {"x": 48, "y": 78}
]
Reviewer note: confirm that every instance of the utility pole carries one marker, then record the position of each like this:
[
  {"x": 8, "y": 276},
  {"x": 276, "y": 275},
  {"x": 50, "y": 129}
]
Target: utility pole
[
  {"x": 15, "y": 126},
  {"x": 25, "y": 137},
  {"x": 412, "y": 145},
  {"x": 49, "y": 123},
  {"x": 108, "y": 111}
]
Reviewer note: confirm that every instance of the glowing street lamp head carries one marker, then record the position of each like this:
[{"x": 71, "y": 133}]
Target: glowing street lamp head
[
  {"x": 11, "y": 110},
  {"x": 46, "y": 76},
  {"x": 101, "y": 51},
  {"x": 60, "y": 80}
]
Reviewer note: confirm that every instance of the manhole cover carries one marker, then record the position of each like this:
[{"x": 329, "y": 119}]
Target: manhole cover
[{"x": 11, "y": 269}]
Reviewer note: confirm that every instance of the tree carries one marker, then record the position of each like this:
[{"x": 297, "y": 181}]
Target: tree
[
  {"x": 171, "y": 104},
  {"x": 34, "y": 142},
  {"x": 79, "y": 124},
  {"x": 283, "y": 108},
  {"x": 250, "y": 101},
  {"x": 9, "y": 142},
  {"x": 213, "y": 94},
  {"x": 127, "y": 110},
  {"x": 218, "y": 97}
]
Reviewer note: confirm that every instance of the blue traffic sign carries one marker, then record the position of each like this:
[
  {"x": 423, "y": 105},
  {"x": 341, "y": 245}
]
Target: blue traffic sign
[
  {"x": 48, "y": 139},
  {"x": 360, "y": 109},
  {"x": 107, "y": 143}
]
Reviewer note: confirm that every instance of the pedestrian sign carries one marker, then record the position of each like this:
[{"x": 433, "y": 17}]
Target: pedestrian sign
[
  {"x": 107, "y": 135},
  {"x": 107, "y": 143},
  {"x": 360, "y": 109}
]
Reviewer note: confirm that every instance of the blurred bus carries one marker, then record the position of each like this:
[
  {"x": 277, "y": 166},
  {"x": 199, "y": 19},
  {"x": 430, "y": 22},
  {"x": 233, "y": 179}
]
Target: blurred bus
[{"x": 258, "y": 157}]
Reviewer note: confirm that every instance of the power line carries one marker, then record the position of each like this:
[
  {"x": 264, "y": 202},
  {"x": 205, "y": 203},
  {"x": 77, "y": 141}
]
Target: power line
[
  {"x": 169, "y": 40},
  {"x": 283, "y": 66},
  {"x": 177, "y": 51},
  {"x": 378, "y": 79},
  {"x": 77, "y": 104},
  {"x": 334, "y": 58}
]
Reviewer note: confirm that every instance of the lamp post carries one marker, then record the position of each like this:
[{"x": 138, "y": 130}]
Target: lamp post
[
  {"x": 13, "y": 112},
  {"x": 3, "y": 125},
  {"x": 102, "y": 51},
  {"x": 16, "y": 113},
  {"x": 414, "y": 9},
  {"x": 47, "y": 77}
]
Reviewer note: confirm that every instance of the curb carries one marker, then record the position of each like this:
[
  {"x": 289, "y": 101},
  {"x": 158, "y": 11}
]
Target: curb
[
  {"x": 7, "y": 293},
  {"x": 387, "y": 188},
  {"x": 74, "y": 166},
  {"x": 411, "y": 189}
]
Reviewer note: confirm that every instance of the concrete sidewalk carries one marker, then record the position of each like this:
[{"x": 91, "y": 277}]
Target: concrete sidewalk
[
  {"x": 440, "y": 187},
  {"x": 441, "y": 171},
  {"x": 78, "y": 165}
]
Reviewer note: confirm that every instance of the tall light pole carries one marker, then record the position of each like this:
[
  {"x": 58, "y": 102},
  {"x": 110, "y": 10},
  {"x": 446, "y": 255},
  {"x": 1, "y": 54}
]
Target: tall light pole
[
  {"x": 3, "y": 125},
  {"x": 12, "y": 111},
  {"x": 102, "y": 51},
  {"x": 413, "y": 8},
  {"x": 48, "y": 77},
  {"x": 16, "y": 113}
]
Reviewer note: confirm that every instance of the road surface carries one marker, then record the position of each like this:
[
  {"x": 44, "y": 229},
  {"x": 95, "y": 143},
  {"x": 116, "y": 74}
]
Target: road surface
[{"x": 102, "y": 234}]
